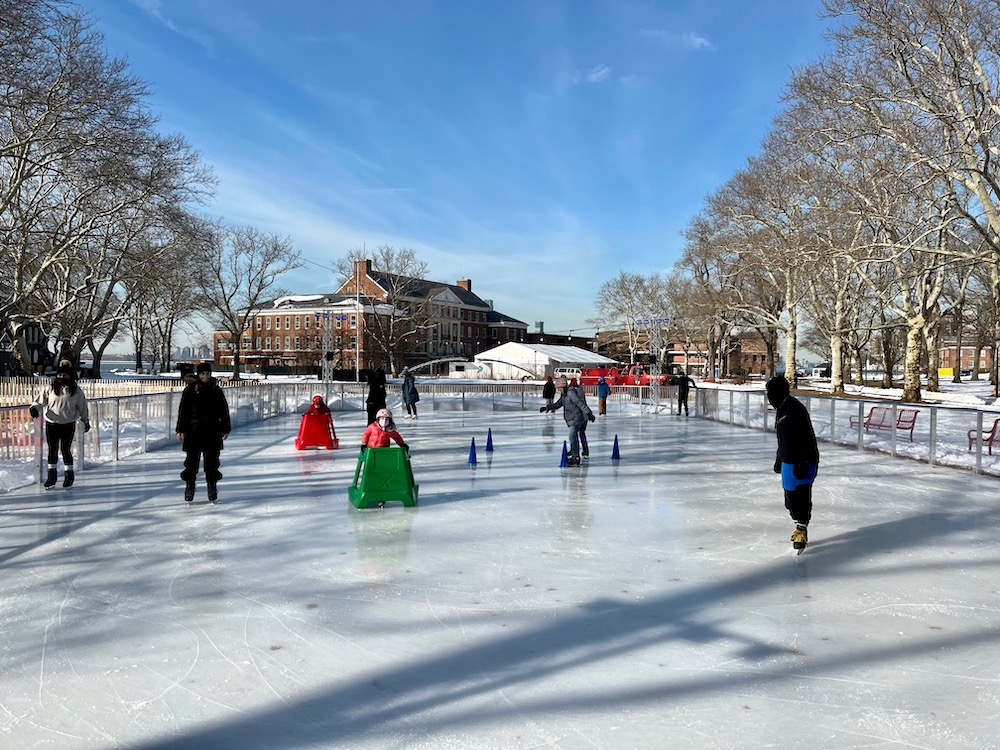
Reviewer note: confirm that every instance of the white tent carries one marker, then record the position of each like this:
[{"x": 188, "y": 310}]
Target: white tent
[{"x": 515, "y": 361}]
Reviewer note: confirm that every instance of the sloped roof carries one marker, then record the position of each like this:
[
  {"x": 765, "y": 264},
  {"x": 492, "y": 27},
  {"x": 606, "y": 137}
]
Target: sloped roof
[
  {"x": 420, "y": 288},
  {"x": 498, "y": 317}
]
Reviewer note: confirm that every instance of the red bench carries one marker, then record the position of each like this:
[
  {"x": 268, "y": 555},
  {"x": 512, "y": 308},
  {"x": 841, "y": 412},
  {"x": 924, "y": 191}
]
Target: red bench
[
  {"x": 880, "y": 418},
  {"x": 988, "y": 437}
]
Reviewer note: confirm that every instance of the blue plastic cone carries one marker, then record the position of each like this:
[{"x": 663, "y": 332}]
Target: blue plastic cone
[
  {"x": 564, "y": 461},
  {"x": 489, "y": 439},
  {"x": 615, "y": 455},
  {"x": 472, "y": 453}
]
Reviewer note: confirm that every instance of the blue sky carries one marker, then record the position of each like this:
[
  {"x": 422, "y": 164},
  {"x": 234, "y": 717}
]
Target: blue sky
[{"x": 537, "y": 147}]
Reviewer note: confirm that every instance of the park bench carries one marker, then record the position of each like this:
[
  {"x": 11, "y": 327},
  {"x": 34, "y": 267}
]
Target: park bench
[
  {"x": 880, "y": 418},
  {"x": 988, "y": 437}
]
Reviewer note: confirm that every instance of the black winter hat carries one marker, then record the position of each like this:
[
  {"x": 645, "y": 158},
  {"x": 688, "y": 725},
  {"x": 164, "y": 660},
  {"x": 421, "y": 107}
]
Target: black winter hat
[
  {"x": 777, "y": 390},
  {"x": 203, "y": 367},
  {"x": 66, "y": 370}
]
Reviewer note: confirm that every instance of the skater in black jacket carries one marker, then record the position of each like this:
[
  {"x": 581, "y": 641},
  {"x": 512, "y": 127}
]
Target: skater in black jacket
[
  {"x": 376, "y": 393},
  {"x": 797, "y": 459},
  {"x": 202, "y": 424},
  {"x": 684, "y": 384}
]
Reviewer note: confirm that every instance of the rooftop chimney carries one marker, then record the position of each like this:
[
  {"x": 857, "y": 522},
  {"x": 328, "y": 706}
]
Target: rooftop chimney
[{"x": 466, "y": 284}]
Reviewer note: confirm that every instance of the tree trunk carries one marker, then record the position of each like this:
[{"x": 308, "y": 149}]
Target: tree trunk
[{"x": 911, "y": 368}]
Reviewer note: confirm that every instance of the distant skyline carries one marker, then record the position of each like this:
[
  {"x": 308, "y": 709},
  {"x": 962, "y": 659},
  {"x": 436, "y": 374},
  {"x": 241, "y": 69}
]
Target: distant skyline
[{"x": 537, "y": 148}]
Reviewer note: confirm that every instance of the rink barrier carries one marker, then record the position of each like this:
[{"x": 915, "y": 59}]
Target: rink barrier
[{"x": 129, "y": 424}]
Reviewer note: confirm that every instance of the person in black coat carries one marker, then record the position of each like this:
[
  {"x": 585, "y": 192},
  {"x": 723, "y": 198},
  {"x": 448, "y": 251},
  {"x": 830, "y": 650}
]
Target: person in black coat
[
  {"x": 549, "y": 391},
  {"x": 797, "y": 459},
  {"x": 376, "y": 393},
  {"x": 202, "y": 425},
  {"x": 684, "y": 384}
]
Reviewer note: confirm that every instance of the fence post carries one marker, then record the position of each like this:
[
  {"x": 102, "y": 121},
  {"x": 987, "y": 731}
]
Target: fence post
[
  {"x": 145, "y": 423},
  {"x": 115, "y": 421}
]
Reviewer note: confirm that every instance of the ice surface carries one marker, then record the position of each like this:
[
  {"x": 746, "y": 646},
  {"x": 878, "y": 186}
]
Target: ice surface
[{"x": 653, "y": 602}]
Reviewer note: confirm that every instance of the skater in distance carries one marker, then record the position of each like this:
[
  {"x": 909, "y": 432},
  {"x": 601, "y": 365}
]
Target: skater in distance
[
  {"x": 61, "y": 403},
  {"x": 376, "y": 393},
  {"x": 410, "y": 395},
  {"x": 797, "y": 459},
  {"x": 202, "y": 426},
  {"x": 684, "y": 384}
]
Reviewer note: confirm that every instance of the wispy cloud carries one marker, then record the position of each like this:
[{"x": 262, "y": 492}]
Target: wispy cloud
[
  {"x": 598, "y": 73},
  {"x": 154, "y": 8},
  {"x": 678, "y": 39}
]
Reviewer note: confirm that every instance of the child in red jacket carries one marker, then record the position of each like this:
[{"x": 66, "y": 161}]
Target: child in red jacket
[{"x": 379, "y": 432}]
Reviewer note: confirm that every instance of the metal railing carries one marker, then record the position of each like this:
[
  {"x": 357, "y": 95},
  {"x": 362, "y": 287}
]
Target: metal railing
[{"x": 127, "y": 425}]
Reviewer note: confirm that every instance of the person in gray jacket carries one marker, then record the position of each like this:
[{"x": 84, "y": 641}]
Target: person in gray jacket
[
  {"x": 61, "y": 403},
  {"x": 577, "y": 414}
]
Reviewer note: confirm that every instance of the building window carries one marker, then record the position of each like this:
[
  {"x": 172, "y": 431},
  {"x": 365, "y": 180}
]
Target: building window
[
  {"x": 260, "y": 323},
  {"x": 267, "y": 323},
  {"x": 288, "y": 342},
  {"x": 288, "y": 323},
  {"x": 267, "y": 343},
  {"x": 354, "y": 320}
]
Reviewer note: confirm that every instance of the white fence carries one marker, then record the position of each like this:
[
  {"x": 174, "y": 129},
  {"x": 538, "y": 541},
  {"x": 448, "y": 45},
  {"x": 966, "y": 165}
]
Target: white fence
[{"x": 127, "y": 425}]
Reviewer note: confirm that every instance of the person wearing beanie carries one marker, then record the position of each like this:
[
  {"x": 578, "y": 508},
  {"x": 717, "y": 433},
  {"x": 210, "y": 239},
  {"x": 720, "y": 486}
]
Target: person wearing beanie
[
  {"x": 410, "y": 394},
  {"x": 549, "y": 390},
  {"x": 202, "y": 425},
  {"x": 576, "y": 413},
  {"x": 603, "y": 391},
  {"x": 797, "y": 459},
  {"x": 62, "y": 404}
]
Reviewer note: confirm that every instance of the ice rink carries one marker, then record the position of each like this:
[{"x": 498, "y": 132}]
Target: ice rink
[{"x": 652, "y": 602}]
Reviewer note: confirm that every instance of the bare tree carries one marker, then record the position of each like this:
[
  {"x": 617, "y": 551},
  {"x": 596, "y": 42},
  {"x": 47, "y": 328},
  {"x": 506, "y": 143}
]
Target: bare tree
[
  {"x": 409, "y": 311},
  {"x": 238, "y": 270}
]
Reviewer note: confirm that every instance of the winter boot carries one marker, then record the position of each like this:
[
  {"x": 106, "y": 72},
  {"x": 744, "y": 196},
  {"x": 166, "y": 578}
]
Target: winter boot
[
  {"x": 50, "y": 478},
  {"x": 68, "y": 477},
  {"x": 799, "y": 537},
  {"x": 213, "y": 492},
  {"x": 572, "y": 460},
  {"x": 189, "y": 492}
]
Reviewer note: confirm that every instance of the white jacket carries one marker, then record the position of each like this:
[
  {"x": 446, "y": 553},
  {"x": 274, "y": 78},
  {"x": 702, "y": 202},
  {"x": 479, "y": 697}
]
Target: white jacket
[{"x": 63, "y": 407}]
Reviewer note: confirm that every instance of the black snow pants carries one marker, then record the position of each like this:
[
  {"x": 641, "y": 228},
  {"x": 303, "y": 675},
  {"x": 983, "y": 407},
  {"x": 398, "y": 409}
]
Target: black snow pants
[{"x": 799, "y": 503}]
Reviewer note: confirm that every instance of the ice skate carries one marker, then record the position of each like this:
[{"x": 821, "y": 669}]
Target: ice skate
[
  {"x": 213, "y": 492},
  {"x": 68, "y": 478},
  {"x": 572, "y": 460},
  {"x": 50, "y": 479},
  {"x": 799, "y": 537},
  {"x": 189, "y": 492}
]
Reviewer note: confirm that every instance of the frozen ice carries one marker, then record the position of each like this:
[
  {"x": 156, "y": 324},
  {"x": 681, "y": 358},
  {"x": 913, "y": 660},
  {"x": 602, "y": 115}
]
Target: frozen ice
[{"x": 652, "y": 602}]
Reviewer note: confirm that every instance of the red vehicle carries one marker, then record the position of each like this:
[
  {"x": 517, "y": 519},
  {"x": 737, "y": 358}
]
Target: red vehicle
[{"x": 625, "y": 375}]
